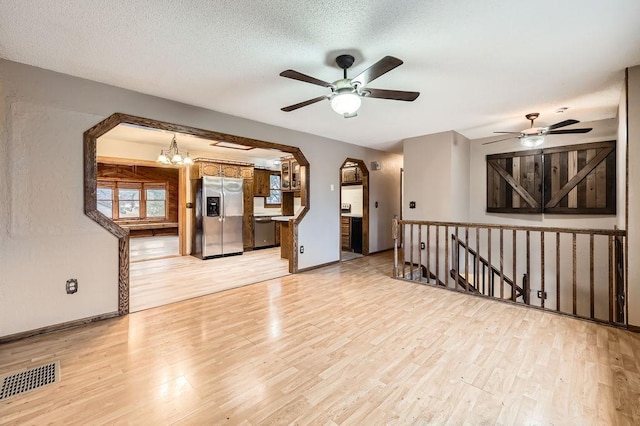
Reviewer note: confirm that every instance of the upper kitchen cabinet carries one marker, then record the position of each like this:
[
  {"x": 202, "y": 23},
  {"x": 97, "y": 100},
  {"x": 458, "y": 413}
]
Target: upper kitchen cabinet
[
  {"x": 290, "y": 175},
  {"x": 351, "y": 175},
  {"x": 208, "y": 167},
  {"x": 261, "y": 187}
]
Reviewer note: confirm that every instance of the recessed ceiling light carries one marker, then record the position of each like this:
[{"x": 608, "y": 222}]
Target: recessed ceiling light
[{"x": 561, "y": 110}]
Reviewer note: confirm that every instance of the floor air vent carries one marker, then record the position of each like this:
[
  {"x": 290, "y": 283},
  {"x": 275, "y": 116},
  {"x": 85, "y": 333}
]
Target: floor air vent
[{"x": 25, "y": 381}]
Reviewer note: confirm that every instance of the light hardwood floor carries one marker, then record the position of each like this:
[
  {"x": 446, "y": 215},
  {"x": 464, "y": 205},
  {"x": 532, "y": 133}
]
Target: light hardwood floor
[
  {"x": 162, "y": 281},
  {"x": 344, "y": 344},
  {"x": 145, "y": 248}
]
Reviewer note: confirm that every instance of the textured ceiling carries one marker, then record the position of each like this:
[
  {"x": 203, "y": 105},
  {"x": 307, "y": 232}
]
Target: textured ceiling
[{"x": 479, "y": 65}]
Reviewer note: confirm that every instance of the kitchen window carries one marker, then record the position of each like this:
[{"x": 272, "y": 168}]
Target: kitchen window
[
  {"x": 104, "y": 196},
  {"x": 132, "y": 200},
  {"x": 275, "y": 192},
  {"x": 156, "y": 201}
]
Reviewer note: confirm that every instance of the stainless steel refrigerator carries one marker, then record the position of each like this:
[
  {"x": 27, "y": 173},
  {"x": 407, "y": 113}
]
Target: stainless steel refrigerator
[{"x": 218, "y": 217}]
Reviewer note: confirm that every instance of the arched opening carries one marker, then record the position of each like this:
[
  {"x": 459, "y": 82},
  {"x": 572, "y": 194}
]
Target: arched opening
[
  {"x": 90, "y": 185},
  {"x": 354, "y": 209}
]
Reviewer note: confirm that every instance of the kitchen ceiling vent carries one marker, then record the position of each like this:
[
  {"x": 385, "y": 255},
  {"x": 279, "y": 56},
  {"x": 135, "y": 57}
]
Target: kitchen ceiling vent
[{"x": 25, "y": 381}]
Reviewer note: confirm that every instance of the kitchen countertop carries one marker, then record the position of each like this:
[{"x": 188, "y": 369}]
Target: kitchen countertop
[
  {"x": 283, "y": 218},
  {"x": 267, "y": 214},
  {"x": 350, "y": 215}
]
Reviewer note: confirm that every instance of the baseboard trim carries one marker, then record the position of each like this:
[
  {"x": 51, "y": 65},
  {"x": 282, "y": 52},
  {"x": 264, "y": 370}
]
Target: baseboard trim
[
  {"x": 311, "y": 268},
  {"x": 634, "y": 328},
  {"x": 56, "y": 327}
]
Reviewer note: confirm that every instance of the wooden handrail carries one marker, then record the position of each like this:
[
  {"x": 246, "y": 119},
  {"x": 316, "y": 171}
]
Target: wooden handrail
[{"x": 614, "y": 232}]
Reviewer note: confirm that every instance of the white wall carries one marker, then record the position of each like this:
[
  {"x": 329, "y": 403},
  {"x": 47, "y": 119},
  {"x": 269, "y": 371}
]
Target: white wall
[
  {"x": 352, "y": 194},
  {"x": 459, "y": 175},
  {"x": 633, "y": 228},
  {"x": 436, "y": 177},
  {"x": 45, "y": 237},
  {"x": 384, "y": 189}
]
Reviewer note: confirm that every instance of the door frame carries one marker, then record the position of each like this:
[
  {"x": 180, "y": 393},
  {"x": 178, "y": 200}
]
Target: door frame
[
  {"x": 90, "y": 142},
  {"x": 365, "y": 204}
]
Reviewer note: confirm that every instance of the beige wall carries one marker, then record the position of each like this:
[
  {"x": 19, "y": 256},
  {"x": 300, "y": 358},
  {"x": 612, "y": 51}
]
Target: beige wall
[{"x": 45, "y": 238}]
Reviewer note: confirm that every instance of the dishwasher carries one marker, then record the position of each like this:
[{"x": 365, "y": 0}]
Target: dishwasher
[{"x": 264, "y": 232}]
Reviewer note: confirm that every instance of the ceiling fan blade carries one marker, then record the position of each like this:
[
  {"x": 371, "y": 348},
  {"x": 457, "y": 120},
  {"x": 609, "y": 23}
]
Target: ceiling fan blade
[
  {"x": 303, "y": 77},
  {"x": 568, "y": 131},
  {"x": 303, "y": 104},
  {"x": 397, "y": 95},
  {"x": 499, "y": 140},
  {"x": 562, "y": 124},
  {"x": 383, "y": 66},
  {"x": 509, "y": 133}
]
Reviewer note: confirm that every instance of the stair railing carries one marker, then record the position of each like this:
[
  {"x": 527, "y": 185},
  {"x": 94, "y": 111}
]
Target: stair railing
[
  {"x": 578, "y": 272},
  {"x": 488, "y": 288}
]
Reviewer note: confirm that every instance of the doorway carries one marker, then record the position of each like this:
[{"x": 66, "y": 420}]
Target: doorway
[
  {"x": 354, "y": 209},
  {"x": 236, "y": 275}
]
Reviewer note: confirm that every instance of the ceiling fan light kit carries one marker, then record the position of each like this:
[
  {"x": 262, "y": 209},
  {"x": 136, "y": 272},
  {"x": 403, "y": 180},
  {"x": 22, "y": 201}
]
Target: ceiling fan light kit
[
  {"x": 532, "y": 141},
  {"x": 346, "y": 103},
  {"x": 346, "y": 94},
  {"x": 534, "y": 136}
]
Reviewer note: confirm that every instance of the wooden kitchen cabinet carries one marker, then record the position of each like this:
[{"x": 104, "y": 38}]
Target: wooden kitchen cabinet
[
  {"x": 290, "y": 170},
  {"x": 286, "y": 240},
  {"x": 345, "y": 232},
  {"x": 351, "y": 175},
  {"x": 295, "y": 175},
  {"x": 261, "y": 179}
]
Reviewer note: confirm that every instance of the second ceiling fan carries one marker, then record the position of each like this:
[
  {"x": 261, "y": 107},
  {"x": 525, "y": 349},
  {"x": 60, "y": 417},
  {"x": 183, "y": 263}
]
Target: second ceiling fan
[
  {"x": 346, "y": 93},
  {"x": 534, "y": 136}
]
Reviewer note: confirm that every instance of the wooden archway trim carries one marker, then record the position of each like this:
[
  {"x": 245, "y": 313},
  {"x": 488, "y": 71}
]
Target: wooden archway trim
[
  {"x": 90, "y": 140},
  {"x": 365, "y": 200}
]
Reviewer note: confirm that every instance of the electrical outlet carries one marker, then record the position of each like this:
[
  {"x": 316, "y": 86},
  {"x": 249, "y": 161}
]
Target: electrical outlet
[
  {"x": 301, "y": 249},
  {"x": 376, "y": 204},
  {"x": 412, "y": 204},
  {"x": 422, "y": 246},
  {"x": 72, "y": 285},
  {"x": 542, "y": 295}
]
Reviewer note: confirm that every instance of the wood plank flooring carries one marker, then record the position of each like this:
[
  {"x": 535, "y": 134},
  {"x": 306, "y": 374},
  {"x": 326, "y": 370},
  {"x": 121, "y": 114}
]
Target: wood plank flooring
[
  {"x": 162, "y": 281},
  {"x": 344, "y": 344},
  {"x": 145, "y": 248}
]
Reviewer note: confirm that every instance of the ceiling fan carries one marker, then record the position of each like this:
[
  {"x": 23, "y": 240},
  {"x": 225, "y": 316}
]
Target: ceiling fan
[
  {"x": 534, "y": 136},
  {"x": 346, "y": 93}
]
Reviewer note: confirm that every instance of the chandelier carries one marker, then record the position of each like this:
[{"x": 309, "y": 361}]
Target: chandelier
[{"x": 173, "y": 155}]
